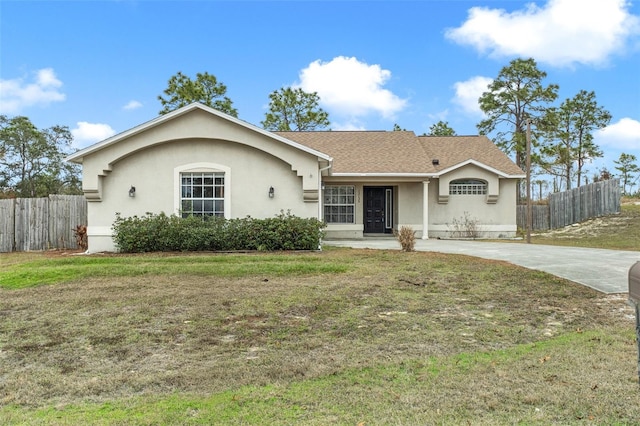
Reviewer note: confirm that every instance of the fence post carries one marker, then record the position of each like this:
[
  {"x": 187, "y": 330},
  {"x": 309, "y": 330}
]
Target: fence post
[{"x": 7, "y": 225}]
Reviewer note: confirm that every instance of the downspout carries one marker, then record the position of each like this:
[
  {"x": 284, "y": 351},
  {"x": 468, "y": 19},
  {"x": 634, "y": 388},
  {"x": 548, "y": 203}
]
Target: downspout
[{"x": 320, "y": 187}]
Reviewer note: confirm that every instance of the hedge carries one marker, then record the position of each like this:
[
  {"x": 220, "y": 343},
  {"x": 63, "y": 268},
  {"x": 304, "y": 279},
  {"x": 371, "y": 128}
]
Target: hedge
[{"x": 159, "y": 232}]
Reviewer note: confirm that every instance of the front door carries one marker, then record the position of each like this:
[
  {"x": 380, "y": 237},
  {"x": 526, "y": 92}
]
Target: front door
[{"x": 378, "y": 210}]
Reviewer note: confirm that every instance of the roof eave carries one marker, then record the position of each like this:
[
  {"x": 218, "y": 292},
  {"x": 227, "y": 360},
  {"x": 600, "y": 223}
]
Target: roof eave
[
  {"x": 425, "y": 175},
  {"x": 481, "y": 165}
]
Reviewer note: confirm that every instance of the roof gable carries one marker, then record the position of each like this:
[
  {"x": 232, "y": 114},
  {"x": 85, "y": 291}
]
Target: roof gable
[
  {"x": 453, "y": 152},
  {"x": 78, "y": 156}
]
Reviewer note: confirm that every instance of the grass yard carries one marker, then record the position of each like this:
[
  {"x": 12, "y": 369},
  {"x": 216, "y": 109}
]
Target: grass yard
[{"x": 348, "y": 337}]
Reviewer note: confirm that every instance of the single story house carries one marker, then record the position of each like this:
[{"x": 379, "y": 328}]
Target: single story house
[{"x": 197, "y": 160}]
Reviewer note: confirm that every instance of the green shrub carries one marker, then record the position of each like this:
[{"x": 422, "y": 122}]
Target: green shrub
[{"x": 159, "y": 232}]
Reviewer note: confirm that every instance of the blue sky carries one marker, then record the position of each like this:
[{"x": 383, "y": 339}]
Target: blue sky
[{"x": 98, "y": 66}]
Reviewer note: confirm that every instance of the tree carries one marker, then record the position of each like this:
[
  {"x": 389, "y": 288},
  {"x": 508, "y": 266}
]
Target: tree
[
  {"x": 32, "y": 164},
  {"x": 294, "y": 110},
  {"x": 513, "y": 98},
  {"x": 182, "y": 91},
  {"x": 626, "y": 165},
  {"x": 397, "y": 128},
  {"x": 541, "y": 184},
  {"x": 602, "y": 174},
  {"x": 572, "y": 126},
  {"x": 441, "y": 128}
]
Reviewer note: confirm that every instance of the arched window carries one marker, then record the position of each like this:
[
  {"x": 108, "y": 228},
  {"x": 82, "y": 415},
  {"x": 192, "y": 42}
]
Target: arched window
[{"x": 467, "y": 187}]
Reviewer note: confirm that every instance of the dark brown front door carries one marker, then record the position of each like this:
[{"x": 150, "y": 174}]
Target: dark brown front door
[{"x": 375, "y": 210}]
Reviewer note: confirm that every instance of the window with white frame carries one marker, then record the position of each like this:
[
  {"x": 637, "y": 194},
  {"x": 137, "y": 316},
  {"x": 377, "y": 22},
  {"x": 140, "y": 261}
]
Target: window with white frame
[
  {"x": 339, "y": 204},
  {"x": 467, "y": 187},
  {"x": 202, "y": 194}
]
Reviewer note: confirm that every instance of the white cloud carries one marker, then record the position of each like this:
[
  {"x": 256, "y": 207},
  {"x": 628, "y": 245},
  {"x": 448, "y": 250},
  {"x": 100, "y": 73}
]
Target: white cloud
[
  {"x": 350, "y": 88},
  {"x": 622, "y": 135},
  {"x": 16, "y": 94},
  {"x": 88, "y": 133},
  {"x": 560, "y": 33},
  {"x": 468, "y": 92},
  {"x": 133, "y": 104},
  {"x": 350, "y": 124},
  {"x": 439, "y": 116}
]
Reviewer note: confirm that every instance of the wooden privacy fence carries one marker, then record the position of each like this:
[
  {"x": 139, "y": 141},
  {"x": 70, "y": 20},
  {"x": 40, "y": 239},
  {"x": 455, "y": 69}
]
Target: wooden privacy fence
[
  {"x": 540, "y": 215},
  {"x": 41, "y": 223},
  {"x": 573, "y": 206}
]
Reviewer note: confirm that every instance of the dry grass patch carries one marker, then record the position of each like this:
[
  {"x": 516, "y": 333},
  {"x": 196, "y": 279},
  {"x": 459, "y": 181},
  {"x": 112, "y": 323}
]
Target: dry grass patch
[{"x": 619, "y": 232}]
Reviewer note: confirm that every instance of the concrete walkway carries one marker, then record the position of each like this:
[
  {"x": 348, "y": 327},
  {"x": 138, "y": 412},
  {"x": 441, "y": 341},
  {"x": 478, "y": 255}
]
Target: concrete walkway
[{"x": 604, "y": 270}]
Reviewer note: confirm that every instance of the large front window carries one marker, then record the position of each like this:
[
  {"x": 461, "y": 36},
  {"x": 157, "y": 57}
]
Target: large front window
[
  {"x": 202, "y": 194},
  {"x": 339, "y": 204}
]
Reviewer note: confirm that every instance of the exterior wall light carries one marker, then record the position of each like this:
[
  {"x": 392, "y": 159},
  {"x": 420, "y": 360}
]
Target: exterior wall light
[
  {"x": 132, "y": 191},
  {"x": 272, "y": 192}
]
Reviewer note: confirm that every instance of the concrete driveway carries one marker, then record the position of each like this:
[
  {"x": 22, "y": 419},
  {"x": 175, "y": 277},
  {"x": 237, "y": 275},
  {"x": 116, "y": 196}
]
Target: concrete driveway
[{"x": 603, "y": 270}]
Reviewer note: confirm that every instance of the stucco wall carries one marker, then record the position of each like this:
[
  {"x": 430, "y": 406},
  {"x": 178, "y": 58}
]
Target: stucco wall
[
  {"x": 495, "y": 219},
  {"x": 152, "y": 160},
  {"x": 407, "y": 209}
]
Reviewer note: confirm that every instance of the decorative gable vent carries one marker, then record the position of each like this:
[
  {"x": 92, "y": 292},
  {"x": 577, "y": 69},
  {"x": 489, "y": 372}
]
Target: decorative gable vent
[{"x": 435, "y": 162}]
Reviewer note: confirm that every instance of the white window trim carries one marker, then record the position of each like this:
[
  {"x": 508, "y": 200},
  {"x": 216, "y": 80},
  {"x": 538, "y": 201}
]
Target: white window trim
[
  {"x": 354, "y": 205},
  {"x": 202, "y": 167}
]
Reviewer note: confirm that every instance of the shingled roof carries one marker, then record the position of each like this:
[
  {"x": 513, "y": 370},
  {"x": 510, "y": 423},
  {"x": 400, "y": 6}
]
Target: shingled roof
[
  {"x": 452, "y": 151},
  {"x": 402, "y": 152},
  {"x": 368, "y": 151}
]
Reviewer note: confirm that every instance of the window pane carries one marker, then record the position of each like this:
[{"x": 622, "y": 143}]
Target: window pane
[
  {"x": 468, "y": 187},
  {"x": 202, "y": 194},
  {"x": 339, "y": 204}
]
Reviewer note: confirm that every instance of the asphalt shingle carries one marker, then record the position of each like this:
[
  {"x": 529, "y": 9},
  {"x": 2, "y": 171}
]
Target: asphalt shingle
[{"x": 402, "y": 152}]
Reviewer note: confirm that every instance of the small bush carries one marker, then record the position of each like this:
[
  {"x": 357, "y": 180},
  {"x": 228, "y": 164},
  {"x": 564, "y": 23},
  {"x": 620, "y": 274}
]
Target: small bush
[
  {"x": 80, "y": 233},
  {"x": 159, "y": 232},
  {"x": 466, "y": 227},
  {"x": 406, "y": 237}
]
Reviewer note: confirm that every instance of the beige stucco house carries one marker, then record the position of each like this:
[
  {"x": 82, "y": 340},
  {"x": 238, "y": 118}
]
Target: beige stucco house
[{"x": 196, "y": 160}]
